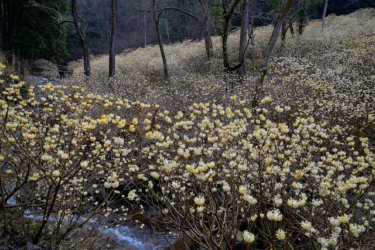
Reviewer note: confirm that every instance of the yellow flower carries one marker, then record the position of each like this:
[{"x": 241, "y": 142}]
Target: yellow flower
[
  {"x": 343, "y": 219},
  {"x": 250, "y": 199},
  {"x": 298, "y": 175},
  {"x": 84, "y": 164},
  {"x": 248, "y": 237},
  {"x": 14, "y": 77},
  {"x": 280, "y": 234},
  {"x": 210, "y": 164},
  {"x": 10, "y": 125},
  {"x": 306, "y": 225},
  {"x": 279, "y": 109},
  {"x": 265, "y": 100},
  {"x": 274, "y": 215},
  {"x": 155, "y": 175},
  {"x": 56, "y": 173},
  {"x": 242, "y": 189},
  {"x": 199, "y": 200}
]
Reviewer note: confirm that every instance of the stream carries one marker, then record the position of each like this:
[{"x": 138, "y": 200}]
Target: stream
[{"x": 127, "y": 236}]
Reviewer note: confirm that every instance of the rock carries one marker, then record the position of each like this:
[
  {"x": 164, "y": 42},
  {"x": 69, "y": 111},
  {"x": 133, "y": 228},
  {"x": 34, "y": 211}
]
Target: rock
[
  {"x": 44, "y": 68},
  {"x": 15, "y": 241},
  {"x": 185, "y": 242}
]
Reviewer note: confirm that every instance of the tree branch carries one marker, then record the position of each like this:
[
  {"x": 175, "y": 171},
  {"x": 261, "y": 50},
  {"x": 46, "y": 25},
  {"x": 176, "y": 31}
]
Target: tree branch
[
  {"x": 65, "y": 21},
  {"x": 232, "y": 8},
  {"x": 188, "y": 13}
]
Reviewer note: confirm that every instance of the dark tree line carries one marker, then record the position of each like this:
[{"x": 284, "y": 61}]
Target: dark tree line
[{"x": 34, "y": 29}]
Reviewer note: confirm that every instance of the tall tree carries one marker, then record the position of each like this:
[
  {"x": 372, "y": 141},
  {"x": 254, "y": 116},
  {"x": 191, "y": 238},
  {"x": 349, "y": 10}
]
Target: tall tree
[
  {"x": 268, "y": 52},
  {"x": 243, "y": 37},
  {"x": 82, "y": 38},
  {"x": 228, "y": 11},
  {"x": 206, "y": 22},
  {"x": 324, "y": 13},
  {"x": 156, "y": 17},
  {"x": 112, "y": 55},
  {"x": 32, "y": 29},
  {"x": 203, "y": 19}
]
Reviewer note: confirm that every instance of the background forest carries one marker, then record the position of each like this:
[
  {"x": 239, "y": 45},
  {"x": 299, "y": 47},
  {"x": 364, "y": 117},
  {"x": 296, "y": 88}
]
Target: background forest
[{"x": 30, "y": 27}]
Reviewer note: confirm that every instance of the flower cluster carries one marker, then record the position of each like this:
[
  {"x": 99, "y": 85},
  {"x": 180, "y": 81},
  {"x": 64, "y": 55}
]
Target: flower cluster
[{"x": 297, "y": 170}]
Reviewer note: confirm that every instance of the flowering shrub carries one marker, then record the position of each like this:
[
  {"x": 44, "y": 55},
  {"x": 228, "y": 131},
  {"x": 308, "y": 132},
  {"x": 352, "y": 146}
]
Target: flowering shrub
[
  {"x": 297, "y": 171},
  {"x": 60, "y": 158},
  {"x": 220, "y": 175}
]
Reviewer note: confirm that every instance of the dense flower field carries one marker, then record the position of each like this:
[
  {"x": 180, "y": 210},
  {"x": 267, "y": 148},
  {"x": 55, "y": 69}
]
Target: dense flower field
[{"x": 296, "y": 172}]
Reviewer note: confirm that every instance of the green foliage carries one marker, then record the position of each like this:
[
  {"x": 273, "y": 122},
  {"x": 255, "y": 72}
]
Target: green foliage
[
  {"x": 40, "y": 33},
  {"x": 300, "y": 13},
  {"x": 217, "y": 16},
  {"x": 218, "y": 12}
]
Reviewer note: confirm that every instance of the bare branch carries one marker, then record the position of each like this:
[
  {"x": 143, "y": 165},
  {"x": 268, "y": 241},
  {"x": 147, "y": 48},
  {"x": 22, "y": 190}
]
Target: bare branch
[{"x": 188, "y": 13}]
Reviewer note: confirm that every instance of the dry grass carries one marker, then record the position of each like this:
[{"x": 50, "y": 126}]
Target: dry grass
[{"x": 353, "y": 32}]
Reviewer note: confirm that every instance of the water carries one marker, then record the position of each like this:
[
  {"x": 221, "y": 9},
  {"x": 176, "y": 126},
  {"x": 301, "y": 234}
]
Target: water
[
  {"x": 138, "y": 239},
  {"x": 127, "y": 236}
]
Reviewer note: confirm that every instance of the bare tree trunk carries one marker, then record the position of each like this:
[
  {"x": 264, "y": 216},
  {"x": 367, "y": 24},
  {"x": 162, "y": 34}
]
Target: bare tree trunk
[
  {"x": 224, "y": 39},
  {"x": 112, "y": 54},
  {"x": 12, "y": 24},
  {"x": 144, "y": 25},
  {"x": 243, "y": 38},
  {"x": 208, "y": 42},
  {"x": 291, "y": 27},
  {"x": 203, "y": 20},
  {"x": 82, "y": 38},
  {"x": 14, "y": 61},
  {"x": 226, "y": 30},
  {"x": 324, "y": 14},
  {"x": 4, "y": 26},
  {"x": 145, "y": 29},
  {"x": 156, "y": 18},
  {"x": 284, "y": 30},
  {"x": 268, "y": 52},
  {"x": 167, "y": 29},
  {"x": 207, "y": 28}
]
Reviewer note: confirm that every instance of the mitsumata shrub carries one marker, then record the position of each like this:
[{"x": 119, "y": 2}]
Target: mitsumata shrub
[
  {"x": 221, "y": 175},
  {"x": 200, "y": 163}
]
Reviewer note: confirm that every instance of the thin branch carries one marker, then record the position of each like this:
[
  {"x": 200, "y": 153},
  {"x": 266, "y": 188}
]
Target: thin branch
[
  {"x": 65, "y": 21},
  {"x": 188, "y": 13}
]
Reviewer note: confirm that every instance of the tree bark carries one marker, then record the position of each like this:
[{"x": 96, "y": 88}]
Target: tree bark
[
  {"x": 156, "y": 18},
  {"x": 82, "y": 38},
  {"x": 243, "y": 38},
  {"x": 12, "y": 19},
  {"x": 4, "y": 25},
  {"x": 144, "y": 24},
  {"x": 268, "y": 52},
  {"x": 112, "y": 54},
  {"x": 145, "y": 29},
  {"x": 226, "y": 30},
  {"x": 324, "y": 13},
  {"x": 206, "y": 21},
  {"x": 208, "y": 42}
]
